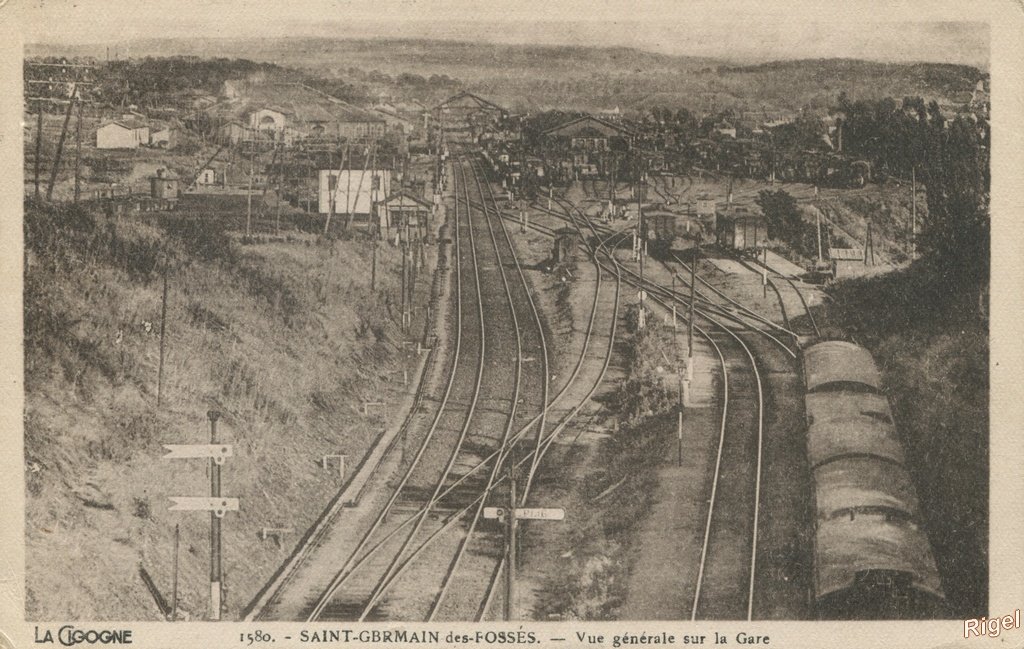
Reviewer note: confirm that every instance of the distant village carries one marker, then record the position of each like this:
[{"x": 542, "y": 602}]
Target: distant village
[{"x": 285, "y": 141}]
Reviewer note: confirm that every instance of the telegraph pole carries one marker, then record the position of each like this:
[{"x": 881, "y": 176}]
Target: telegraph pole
[
  {"x": 764, "y": 274},
  {"x": 403, "y": 287},
  {"x": 163, "y": 329},
  {"x": 78, "y": 152},
  {"x": 689, "y": 323},
  {"x": 60, "y": 143},
  {"x": 280, "y": 190},
  {"x": 679, "y": 422},
  {"x": 248, "y": 195},
  {"x": 39, "y": 144},
  {"x": 373, "y": 266},
  {"x": 818, "y": 221},
  {"x": 641, "y": 183}
]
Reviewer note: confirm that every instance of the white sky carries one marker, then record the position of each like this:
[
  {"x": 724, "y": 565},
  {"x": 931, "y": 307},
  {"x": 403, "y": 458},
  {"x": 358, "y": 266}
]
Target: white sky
[{"x": 897, "y": 30}]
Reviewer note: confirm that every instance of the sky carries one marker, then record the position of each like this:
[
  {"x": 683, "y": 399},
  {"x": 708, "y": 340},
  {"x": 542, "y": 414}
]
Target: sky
[{"x": 739, "y": 30}]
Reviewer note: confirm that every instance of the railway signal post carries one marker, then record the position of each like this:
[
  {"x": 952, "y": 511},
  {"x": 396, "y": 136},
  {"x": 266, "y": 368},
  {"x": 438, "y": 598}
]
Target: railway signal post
[{"x": 215, "y": 504}]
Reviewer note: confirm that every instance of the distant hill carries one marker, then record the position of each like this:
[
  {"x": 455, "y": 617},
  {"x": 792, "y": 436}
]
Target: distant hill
[{"x": 539, "y": 76}]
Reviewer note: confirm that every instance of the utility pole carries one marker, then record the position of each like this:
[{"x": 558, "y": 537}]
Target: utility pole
[
  {"x": 673, "y": 305},
  {"x": 373, "y": 266},
  {"x": 764, "y": 275},
  {"x": 163, "y": 329},
  {"x": 78, "y": 152},
  {"x": 280, "y": 190},
  {"x": 60, "y": 143},
  {"x": 817, "y": 219},
  {"x": 174, "y": 579},
  {"x": 403, "y": 287},
  {"x": 248, "y": 195},
  {"x": 679, "y": 422},
  {"x": 334, "y": 192},
  {"x": 641, "y": 182},
  {"x": 689, "y": 323},
  {"x": 39, "y": 143}
]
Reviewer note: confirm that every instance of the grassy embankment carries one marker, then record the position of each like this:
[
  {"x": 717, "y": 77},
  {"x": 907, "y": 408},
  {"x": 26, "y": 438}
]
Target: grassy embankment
[
  {"x": 285, "y": 338},
  {"x": 933, "y": 351},
  {"x": 592, "y": 582}
]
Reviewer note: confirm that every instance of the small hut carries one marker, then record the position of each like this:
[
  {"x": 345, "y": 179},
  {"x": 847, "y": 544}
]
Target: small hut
[{"x": 566, "y": 240}]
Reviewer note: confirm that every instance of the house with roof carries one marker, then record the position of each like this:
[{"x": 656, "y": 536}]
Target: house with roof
[
  {"x": 296, "y": 112},
  {"x": 847, "y": 262},
  {"x": 466, "y": 103},
  {"x": 589, "y": 133},
  {"x": 122, "y": 134},
  {"x": 404, "y": 207}
]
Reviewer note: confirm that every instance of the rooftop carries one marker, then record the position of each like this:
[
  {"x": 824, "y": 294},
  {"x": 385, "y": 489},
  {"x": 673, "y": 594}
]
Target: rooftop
[{"x": 303, "y": 103}]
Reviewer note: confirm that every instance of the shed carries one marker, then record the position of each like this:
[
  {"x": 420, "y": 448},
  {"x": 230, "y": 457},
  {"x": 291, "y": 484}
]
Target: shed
[
  {"x": 163, "y": 185},
  {"x": 405, "y": 207},
  {"x": 566, "y": 240},
  {"x": 590, "y": 133},
  {"x": 837, "y": 361},
  {"x": 122, "y": 134},
  {"x": 852, "y": 487},
  {"x": 858, "y": 436},
  {"x": 741, "y": 228},
  {"x": 846, "y": 261},
  {"x": 705, "y": 205}
]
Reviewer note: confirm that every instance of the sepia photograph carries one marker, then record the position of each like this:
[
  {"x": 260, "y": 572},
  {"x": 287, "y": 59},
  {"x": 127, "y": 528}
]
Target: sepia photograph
[{"x": 451, "y": 313}]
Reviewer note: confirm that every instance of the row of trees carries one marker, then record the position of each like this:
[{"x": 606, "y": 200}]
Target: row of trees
[{"x": 951, "y": 158}]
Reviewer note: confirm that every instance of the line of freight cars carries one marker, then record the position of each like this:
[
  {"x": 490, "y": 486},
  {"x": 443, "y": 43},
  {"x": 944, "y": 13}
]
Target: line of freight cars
[{"x": 872, "y": 560}]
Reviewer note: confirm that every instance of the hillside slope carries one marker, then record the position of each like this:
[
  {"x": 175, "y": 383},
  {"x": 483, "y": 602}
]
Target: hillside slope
[{"x": 285, "y": 338}]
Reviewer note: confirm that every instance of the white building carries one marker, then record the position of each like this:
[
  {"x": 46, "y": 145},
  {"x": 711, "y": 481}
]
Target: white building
[
  {"x": 207, "y": 176},
  {"x": 353, "y": 190},
  {"x": 268, "y": 119},
  {"x": 121, "y": 134}
]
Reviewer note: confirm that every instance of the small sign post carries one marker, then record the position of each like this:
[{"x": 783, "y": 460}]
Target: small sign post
[{"x": 509, "y": 515}]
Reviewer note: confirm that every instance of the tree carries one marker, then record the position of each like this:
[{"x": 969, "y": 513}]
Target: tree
[
  {"x": 781, "y": 212},
  {"x": 955, "y": 237}
]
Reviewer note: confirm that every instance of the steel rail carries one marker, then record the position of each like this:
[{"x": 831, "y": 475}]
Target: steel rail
[
  {"x": 385, "y": 580},
  {"x": 760, "y": 448},
  {"x": 347, "y": 568}
]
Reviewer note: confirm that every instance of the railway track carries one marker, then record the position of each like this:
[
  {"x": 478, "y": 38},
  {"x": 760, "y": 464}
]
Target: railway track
[
  {"x": 410, "y": 579},
  {"x": 772, "y": 275},
  {"x": 723, "y": 307},
  {"x": 395, "y": 572},
  {"x": 725, "y": 587},
  {"x": 575, "y": 394}
]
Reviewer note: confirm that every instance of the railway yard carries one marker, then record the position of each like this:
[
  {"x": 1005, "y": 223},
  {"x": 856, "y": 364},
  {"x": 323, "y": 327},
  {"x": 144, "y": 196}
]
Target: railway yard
[
  {"x": 506, "y": 402},
  {"x": 572, "y": 370}
]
